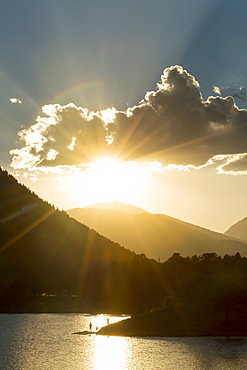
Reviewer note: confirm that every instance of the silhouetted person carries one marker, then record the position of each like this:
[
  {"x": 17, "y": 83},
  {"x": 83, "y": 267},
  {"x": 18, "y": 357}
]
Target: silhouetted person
[{"x": 90, "y": 326}]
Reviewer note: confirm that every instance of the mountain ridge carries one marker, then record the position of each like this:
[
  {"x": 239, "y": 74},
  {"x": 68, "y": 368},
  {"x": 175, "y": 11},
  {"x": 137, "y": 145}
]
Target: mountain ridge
[
  {"x": 157, "y": 235},
  {"x": 116, "y": 206}
]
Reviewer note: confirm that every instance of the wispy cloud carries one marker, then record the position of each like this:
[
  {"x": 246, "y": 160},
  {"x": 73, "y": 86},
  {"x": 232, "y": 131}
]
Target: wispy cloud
[
  {"x": 234, "y": 165},
  {"x": 173, "y": 125},
  {"x": 15, "y": 101},
  {"x": 216, "y": 90}
]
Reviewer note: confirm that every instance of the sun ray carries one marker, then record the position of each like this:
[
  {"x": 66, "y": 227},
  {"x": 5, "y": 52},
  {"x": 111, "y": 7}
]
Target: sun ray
[{"x": 27, "y": 230}]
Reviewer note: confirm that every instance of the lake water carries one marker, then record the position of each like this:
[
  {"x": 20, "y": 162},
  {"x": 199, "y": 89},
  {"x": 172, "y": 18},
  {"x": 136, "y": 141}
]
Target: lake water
[{"x": 46, "y": 341}]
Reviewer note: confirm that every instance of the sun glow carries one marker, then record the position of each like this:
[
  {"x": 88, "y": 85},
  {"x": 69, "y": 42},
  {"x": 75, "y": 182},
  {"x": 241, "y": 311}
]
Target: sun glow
[{"x": 108, "y": 180}]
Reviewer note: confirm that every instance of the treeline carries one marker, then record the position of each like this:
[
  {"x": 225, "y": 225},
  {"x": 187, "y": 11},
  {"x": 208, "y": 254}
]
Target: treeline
[
  {"x": 136, "y": 286},
  {"x": 202, "y": 295},
  {"x": 145, "y": 285}
]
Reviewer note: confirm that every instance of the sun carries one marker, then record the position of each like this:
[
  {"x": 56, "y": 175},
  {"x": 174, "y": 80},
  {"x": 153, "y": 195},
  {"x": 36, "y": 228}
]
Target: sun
[{"x": 108, "y": 180}]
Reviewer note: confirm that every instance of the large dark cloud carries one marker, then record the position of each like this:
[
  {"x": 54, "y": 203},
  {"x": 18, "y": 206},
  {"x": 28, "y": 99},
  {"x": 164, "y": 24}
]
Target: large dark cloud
[{"x": 173, "y": 124}]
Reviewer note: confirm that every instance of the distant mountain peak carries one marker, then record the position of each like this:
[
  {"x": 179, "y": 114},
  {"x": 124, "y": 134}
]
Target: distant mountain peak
[
  {"x": 238, "y": 230},
  {"x": 118, "y": 206}
]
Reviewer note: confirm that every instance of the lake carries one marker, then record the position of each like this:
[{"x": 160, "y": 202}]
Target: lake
[{"x": 46, "y": 341}]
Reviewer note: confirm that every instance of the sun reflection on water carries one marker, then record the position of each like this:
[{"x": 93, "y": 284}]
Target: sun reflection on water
[
  {"x": 110, "y": 353},
  {"x": 96, "y": 322}
]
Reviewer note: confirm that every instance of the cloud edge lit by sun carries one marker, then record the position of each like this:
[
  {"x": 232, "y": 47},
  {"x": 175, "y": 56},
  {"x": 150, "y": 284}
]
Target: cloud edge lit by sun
[{"x": 173, "y": 126}]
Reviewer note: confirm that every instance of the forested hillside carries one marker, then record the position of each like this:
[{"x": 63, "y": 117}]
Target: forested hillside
[{"x": 45, "y": 252}]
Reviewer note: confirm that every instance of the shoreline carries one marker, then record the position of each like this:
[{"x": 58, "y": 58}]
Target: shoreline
[{"x": 180, "y": 323}]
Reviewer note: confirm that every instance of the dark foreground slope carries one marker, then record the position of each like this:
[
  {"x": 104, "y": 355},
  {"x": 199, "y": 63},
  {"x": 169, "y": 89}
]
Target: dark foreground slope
[{"x": 46, "y": 257}]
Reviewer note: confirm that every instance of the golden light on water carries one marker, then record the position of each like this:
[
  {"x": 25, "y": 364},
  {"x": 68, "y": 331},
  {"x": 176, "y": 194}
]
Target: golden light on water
[
  {"x": 106, "y": 352},
  {"x": 110, "y": 353},
  {"x": 102, "y": 320}
]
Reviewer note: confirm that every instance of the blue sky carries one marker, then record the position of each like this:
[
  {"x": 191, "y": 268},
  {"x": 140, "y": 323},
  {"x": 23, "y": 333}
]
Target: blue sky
[{"x": 102, "y": 53}]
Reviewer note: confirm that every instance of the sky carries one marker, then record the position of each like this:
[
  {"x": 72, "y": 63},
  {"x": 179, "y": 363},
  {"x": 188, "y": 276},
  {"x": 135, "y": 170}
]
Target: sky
[{"x": 143, "y": 102}]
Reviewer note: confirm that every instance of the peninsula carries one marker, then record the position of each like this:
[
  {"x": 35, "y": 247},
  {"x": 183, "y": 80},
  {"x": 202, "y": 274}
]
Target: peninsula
[{"x": 180, "y": 322}]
